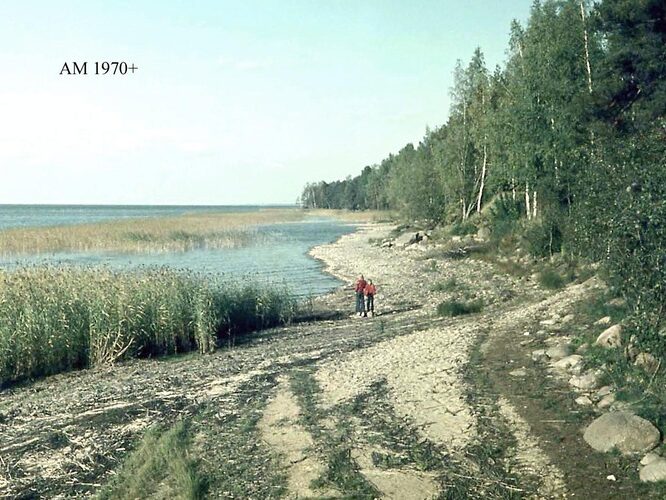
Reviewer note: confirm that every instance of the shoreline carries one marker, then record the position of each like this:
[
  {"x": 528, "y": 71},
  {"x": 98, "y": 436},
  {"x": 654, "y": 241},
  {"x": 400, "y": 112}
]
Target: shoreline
[{"x": 404, "y": 384}]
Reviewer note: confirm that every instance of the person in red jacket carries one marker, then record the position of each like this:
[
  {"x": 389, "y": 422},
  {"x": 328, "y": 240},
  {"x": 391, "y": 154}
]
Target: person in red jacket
[
  {"x": 359, "y": 288},
  {"x": 369, "y": 292}
]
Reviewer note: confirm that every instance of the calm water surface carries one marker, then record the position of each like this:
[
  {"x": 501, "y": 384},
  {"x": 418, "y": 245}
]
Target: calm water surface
[{"x": 278, "y": 257}]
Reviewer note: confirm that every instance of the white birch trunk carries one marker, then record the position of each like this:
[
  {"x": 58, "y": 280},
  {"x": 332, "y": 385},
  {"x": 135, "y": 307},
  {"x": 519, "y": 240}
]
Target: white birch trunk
[
  {"x": 483, "y": 178},
  {"x": 527, "y": 201},
  {"x": 587, "y": 51}
]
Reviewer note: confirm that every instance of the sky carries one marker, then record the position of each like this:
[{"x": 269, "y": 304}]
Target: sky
[{"x": 233, "y": 102}]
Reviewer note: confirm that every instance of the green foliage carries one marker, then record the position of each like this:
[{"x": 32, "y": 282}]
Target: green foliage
[
  {"x": 446, "y": 286},
  {"x": 543, "y": 238},
  {"x": 463, "y": 228},
  {"x": 503, "y": 216},
  {"x": 58, "y": 319},
  {"x": 549, "y": 278},
  {"x": 572, "y": 126},
  {"x": 459, "y": 308}
]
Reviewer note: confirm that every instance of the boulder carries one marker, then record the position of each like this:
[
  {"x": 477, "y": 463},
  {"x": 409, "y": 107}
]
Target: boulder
[
  {"x": 647, "y": 362},
  {"x": 617, "y": 302},
  {"x": 603, "y": 391},
  {"x": 606, "y": 401},
  {"x": 584, "y": 382},
  {"x": 654, "y": 471},
  {"x": 583, "y": 348},
  {"x": 407, "y": 239},
  {"x": 583, "y": 401},
  {"x": 649, "y": 458},
  {"x": 539, "y": 355},
  {"x": 558, "y": 351},
  {"x": 606, "y": 320},
  {"x": 621, "y": 430},
  {"x": 610, "y": 338},
  {"x": 631, "y": 352},
  {"x": 572, "y": 364},
  {"x": 520, "y": 372}
]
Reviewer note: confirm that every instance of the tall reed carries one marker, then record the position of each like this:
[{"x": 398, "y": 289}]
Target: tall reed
[
  {"x": 151, "y": 234},
  {"x": 54, "y": 319}
]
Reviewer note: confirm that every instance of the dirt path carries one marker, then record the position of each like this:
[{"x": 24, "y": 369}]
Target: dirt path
[{"x": 388, "y": 406}]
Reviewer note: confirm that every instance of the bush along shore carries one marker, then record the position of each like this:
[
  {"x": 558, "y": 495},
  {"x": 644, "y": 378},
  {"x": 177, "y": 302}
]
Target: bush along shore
[{"x": 55, "y": 319}]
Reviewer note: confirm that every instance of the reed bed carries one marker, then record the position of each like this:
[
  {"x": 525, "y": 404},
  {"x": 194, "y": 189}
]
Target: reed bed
[
  {"x": 155, "y": 234},
  {"x": 55, "y": 319}
]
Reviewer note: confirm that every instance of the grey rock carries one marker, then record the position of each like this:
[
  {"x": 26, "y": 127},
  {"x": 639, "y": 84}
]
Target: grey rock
[
  {"x": 603, "y": 391},
  {"x": 654, "y": 471},
  {"x": 583, "y": 348},
  {"x": 407, "y": 239},
  {"x": 558, "y": 351},
  {"x": 539, "y": 355},
  {"x": 606, "y": 401},
  {"x": 649, "y": 458},
  {"x": 606, "y": 320},
  {"x": 621, "y": 430},
  {"x": 584, "y": 382},
  {"x": 572, "y": 364},
  {"x": 617, "y": 302},
  {"x": 647, "y": 362},
  {"x": 583, "y": 401},
  {"x": 610, "y": 338},
  {"x": 520, "y": 372}
]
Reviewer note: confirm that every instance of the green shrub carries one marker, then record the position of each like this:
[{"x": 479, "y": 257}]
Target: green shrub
[
  {"x": 503, "y": 216},
  {"x": 463, "y": 228},
  {"x": 543, "y": 238},
  {"x": 549, "y": 278},
  {"x": 446, "y": 286},
  {"x": 458, "y": 308}
]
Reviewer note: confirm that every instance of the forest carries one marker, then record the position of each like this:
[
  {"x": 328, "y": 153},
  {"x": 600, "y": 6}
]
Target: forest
[{"x": 564, "y": 145}]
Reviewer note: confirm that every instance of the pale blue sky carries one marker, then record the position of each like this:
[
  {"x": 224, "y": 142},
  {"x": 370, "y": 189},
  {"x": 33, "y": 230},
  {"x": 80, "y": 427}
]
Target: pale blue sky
[{"x": 234, "y": 102}]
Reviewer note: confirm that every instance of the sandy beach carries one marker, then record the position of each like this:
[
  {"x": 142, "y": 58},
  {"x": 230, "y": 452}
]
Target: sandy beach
[{"x": 391, "y": 394}]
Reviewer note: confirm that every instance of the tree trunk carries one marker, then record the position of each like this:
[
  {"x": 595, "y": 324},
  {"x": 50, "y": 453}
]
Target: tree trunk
[
  {"x": 483, "y": 178},
  {"x": 527, "y": 201},
  {"x": 587, "y": 51},
  {"x": 534, "y": 204}
]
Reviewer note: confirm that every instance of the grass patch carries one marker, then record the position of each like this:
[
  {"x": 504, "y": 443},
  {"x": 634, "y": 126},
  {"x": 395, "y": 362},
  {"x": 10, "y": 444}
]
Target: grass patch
[
  {"x": 57, "y": 319},
  {"x": 161, "y": 464},
  {"x": 459, "y": 308},
  {"x": 449, "y": 285},
  {"x": 551, "y": 279},
  {"x": 155, "y": 234}
]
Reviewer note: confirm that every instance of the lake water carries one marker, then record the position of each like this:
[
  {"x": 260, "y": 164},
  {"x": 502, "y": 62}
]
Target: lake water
[
  {"x": 278, "y": 257},
  {"x": 58, "y": 215}
]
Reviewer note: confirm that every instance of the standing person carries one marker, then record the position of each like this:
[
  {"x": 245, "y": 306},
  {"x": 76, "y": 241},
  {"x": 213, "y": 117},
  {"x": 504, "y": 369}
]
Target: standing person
[
  {"x": 360, "y": 290},
  {"x": 369, "y": 291}
]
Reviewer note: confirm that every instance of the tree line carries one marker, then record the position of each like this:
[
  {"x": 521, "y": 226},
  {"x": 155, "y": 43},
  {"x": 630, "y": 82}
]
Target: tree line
[{"x": 569, "y": 135}]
